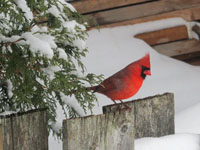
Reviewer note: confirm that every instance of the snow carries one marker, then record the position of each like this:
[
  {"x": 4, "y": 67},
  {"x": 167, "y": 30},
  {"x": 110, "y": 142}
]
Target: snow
[
  {"x": 73, "y": 103},
  {"x": 10, "y": 39},
  {"x": 62, "y": 54},
  {"x": 81, "y": 44},
  {"x": 111, "y": 49},
  {"x": 23, "y": 5},
  {"x": 68, "y": 5},
  {"x": 40, "y": 81},
  {"x": 5, "y": 113},
  {"x": 71, "y": 25},
  {"x": 10, "y": 87},
  {"x": 171, "y": 142},
  {"x": 38, "y": 45},
  {"x": 160, "y": 24},
  {"x": 56, "y": 126},
  {"x": 187, "y": 120},
  {"x": 54, "y": 11},
  {"x": 50, "y": 71}
]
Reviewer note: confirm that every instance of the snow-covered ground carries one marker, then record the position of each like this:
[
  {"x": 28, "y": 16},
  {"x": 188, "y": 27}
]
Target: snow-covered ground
[{"x": 111, "y": 49}]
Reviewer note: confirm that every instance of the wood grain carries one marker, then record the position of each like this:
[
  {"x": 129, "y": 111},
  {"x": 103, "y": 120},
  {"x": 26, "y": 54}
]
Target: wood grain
[
  {"x": 25, "y": 132},
  {"x": 126, "y": 13},
  {"x": 1, "y": 138},
  {"x": 154, "y": 116},
  {"x": 86, "y": 6},
  {"x": 178, "y": 48},
  {"x": 192, "y": 58},
  {"x": 111, "y": 131},
  {"x": 165, "y": 35},
  {"x": 189, "y": 14},
  {"x": 139, "y": 11}
]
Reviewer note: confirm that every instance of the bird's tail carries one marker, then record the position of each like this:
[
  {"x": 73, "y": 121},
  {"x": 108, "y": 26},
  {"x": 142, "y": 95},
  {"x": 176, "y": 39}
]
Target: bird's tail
[{"x": 92, "y": 88}]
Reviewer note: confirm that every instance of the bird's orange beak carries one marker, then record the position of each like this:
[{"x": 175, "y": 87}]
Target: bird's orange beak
[{"x": 147, "y": 72}]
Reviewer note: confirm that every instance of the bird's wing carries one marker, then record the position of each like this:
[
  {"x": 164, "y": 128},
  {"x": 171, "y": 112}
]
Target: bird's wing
[{"x": 114, "y": 82}]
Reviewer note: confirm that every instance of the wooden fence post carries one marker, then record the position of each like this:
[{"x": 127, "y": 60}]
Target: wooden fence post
[
  {"x": 24, "y": 131},
  {"x": 154, "y": 116},
  {"x": 110, "y": 131},
  {"x": 116, "y": 130}
]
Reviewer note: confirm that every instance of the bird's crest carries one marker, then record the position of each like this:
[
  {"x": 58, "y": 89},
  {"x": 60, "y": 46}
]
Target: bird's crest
[{"x": 145, "y": 61}]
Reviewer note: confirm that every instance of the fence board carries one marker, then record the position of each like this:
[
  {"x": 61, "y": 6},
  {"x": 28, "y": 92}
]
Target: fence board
[
  {"x": 27, "y": 131},
  {"x": 164, "y": 35},
  {"x": 154, "y": 116},
  {"x": 111, "y": 131}
]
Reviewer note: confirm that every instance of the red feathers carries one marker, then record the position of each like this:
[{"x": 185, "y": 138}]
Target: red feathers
[{"x": 126, "y": 82}]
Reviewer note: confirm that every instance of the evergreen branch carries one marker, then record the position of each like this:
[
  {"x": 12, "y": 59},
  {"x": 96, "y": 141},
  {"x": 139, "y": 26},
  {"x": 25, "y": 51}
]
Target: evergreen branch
[{"x": 10, "y": 43}]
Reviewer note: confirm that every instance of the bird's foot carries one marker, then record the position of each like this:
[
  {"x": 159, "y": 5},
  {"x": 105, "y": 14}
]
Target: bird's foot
[{"x": 124, "y": 107}]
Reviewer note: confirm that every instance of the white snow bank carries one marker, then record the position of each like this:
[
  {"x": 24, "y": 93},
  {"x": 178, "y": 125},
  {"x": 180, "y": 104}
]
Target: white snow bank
[
  {"x": 171, "y": 142},
  {"x": 188, "y": 121}
]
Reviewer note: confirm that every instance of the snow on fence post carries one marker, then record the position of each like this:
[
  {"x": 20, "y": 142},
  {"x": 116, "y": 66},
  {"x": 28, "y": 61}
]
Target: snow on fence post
[
  {"x": 154, "y": 116},
  {"x": 110, "y": 131},
  {"x": 24, "y": 131}
]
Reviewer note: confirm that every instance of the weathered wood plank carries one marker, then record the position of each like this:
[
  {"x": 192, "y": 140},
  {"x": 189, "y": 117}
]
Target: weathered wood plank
[
  {"x": 6, "y": 128},
  {"x": 86, "y": 6},
  {"x": 195, "y": 62},
  {"x": 126, "y": 13},
  {"x": 1, "y": 138},
  {"x": 111, "y": 131},
  {"x": 181, "y": 4},
  {"x": 189, "y": 14},
  {"x": 27, "y": 131},
  {"x": 196, "y": 29},
  {"x": 178, "y": 48},
  {"x": 154, "y": 116},
  {"x": 190, "y": 58},
  {"x": 164, "y": 35},
  {"x": 138, "y": 11}
]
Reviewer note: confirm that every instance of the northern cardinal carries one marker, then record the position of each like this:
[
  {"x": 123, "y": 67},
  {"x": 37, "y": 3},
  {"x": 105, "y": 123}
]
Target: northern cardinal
[{"x": 125, "y": 83}]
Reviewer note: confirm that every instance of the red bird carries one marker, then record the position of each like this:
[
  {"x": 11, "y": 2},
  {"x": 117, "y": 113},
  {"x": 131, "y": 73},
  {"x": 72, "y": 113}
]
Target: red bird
[{"x": 126, "y": 82}]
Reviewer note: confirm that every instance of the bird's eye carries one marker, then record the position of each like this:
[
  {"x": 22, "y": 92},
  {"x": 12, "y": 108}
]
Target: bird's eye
[{"x": 145, "y": 68}]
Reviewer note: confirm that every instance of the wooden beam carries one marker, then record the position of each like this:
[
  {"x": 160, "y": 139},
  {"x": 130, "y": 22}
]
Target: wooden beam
[
  {"x": 165, "y": 35},
  {"x": 126, "y": 13},
  {"x": 181, "y": 4},
  {"x": 137, "y": 11},
  {"x": 87, "y": 6},
  {"x": 151, "y": 119},
  {"x": 191, "y": 58},
  {"x": 178, "y": 48},
  {"x": 188, "y": 57},
  {"x": 194, "y": 61},
  {"x": 189, "y": 14}
]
